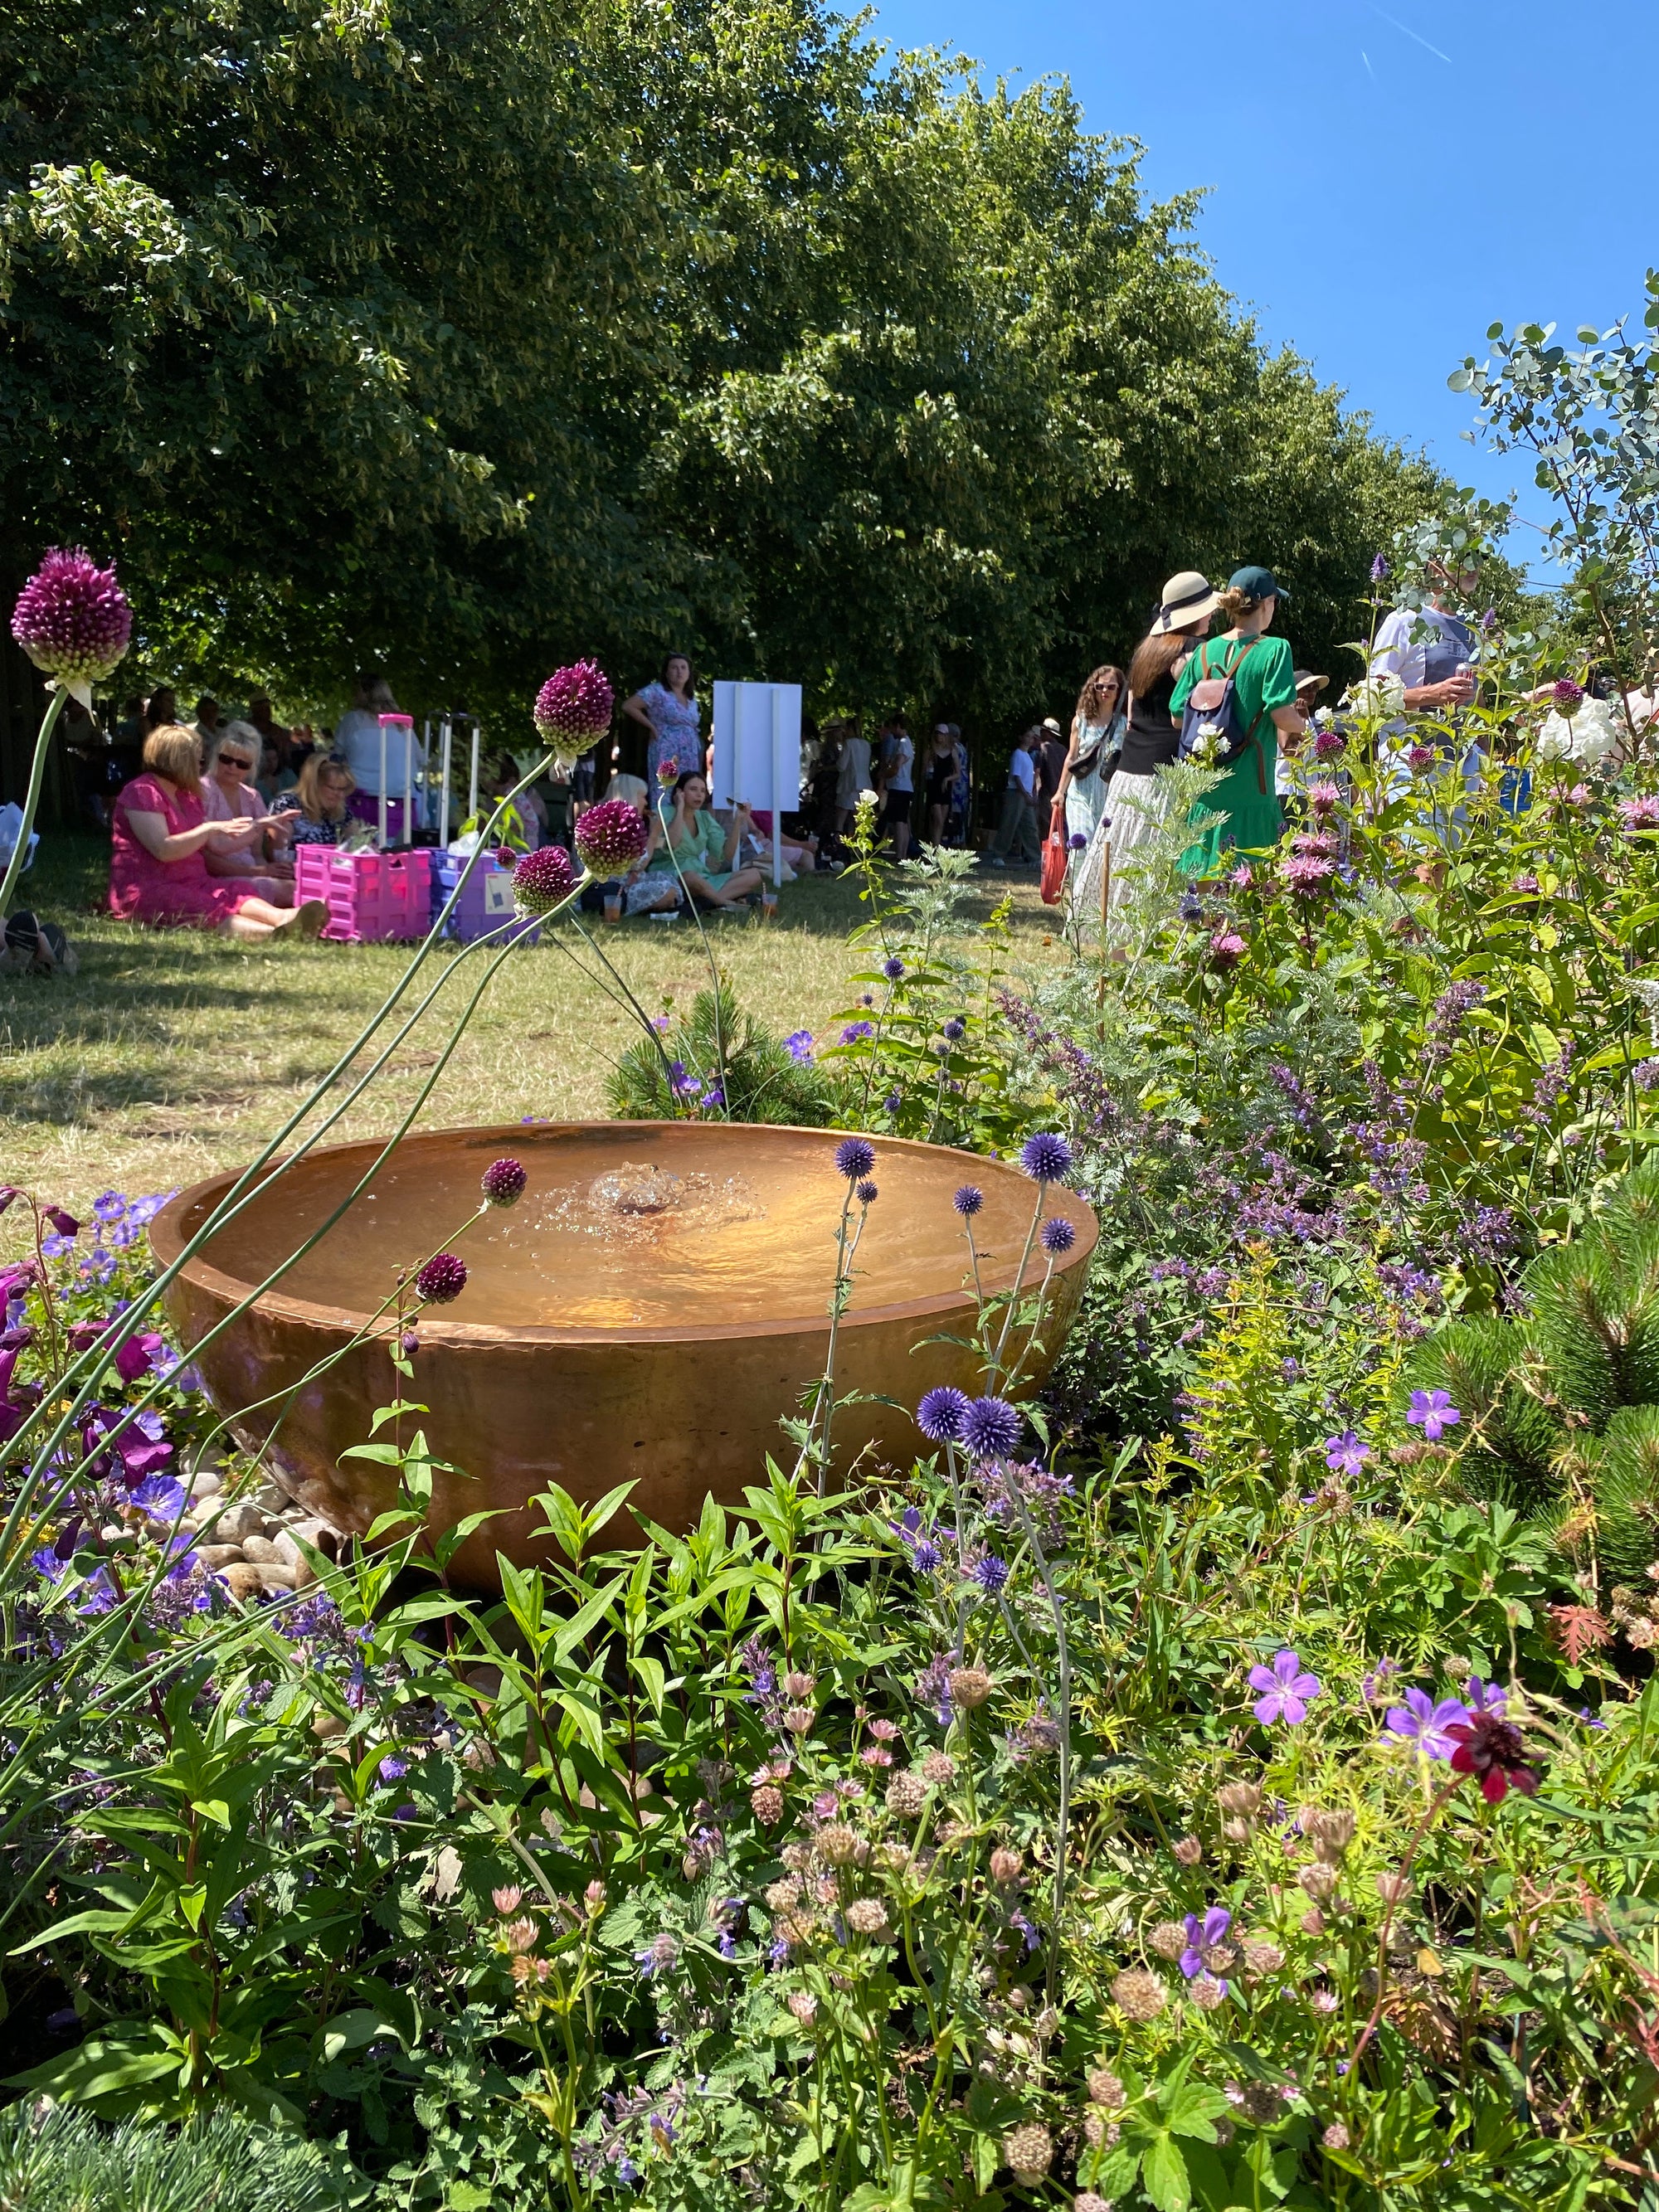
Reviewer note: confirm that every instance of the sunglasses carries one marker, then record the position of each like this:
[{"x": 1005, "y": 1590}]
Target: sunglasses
[{"x": 233, "y": 760}]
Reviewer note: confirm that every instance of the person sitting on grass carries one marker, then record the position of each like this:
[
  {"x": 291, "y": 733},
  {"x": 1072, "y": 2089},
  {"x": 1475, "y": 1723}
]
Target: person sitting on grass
[
  {"x": 317, "y": 812},
  {"x": 643, "y": 889},
  {"x": 229, "y": 795},
  {"x": 697, "y": 850},
  {"x": 160, "y": 838}
]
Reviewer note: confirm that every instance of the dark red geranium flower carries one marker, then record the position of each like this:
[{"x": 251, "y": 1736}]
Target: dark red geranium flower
[{"x": 1492, "y": 1749}]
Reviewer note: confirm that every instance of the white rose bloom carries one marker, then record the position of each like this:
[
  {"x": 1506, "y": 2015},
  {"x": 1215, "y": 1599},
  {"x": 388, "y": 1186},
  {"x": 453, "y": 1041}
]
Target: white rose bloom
[
  {"x": 1382, "y": 696},
  {"x": 1587, "y": 734}
]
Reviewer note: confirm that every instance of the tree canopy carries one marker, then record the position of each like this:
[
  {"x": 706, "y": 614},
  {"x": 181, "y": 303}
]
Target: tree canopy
[{"x": 465, "y": 337}]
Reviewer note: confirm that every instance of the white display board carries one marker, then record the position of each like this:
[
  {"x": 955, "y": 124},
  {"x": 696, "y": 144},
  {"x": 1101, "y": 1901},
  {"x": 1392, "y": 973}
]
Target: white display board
[{"x": 757, "y": 752}]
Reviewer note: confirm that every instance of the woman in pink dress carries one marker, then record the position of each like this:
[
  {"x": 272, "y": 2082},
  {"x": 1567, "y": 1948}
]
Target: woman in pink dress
[
  {"x": 233, "y": 754},
  {"x": 158, "y": 853}
]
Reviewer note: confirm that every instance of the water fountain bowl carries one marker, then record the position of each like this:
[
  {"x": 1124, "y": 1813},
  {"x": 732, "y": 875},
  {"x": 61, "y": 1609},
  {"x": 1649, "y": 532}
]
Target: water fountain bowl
[{"x": 648, "y": 1312}]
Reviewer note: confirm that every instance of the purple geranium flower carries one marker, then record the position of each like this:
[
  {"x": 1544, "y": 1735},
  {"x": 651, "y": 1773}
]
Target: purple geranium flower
[
  {"x": 1201, "y": 1936},
  {"x": 1433, "y": 1411},
  {"x": 1422, "y": 1722},
  {"x": 1484, "y": 1697},
  {"x": 798, "y": 1044},
  {"x": 1286, "y": 1688},
  {"x": 1345, "y": 1453}
]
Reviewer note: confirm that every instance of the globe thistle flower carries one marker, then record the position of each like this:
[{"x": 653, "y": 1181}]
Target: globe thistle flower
[
  {"x": 954, "y": 1028},
  {"x": 503, "y": 1183},
  {"x": 1076, "y": 843},
  {"x": 543, "y": 880},
  {"x": 867, "y": 1193},
  {"x": 442, "y": 1279},
  {"x": 942, "y": 1415},
  {"x": 968, "y": 1201},
  {"x": 573, "y": 710},
  {"x": 893, "y": 968},
  {"x": 990, "y": 1428},
  {"x": 992, "y": 1574},
  {"x": 856, "y": 1158},
  {"x": 1057, "y": 1237},
  {"x": 1045, "y": 1156},
  {"x": 73, "y": 620},
  {"x": 610, "y": 837},
  {"x": 1137, "y": 1994},
  {"x": 1190, "y": 907}
]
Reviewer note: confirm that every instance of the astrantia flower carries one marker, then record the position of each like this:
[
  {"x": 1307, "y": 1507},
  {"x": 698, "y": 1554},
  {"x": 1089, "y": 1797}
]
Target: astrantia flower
[
  {"x": 502, "y": 1182},
  {"x": 1057, "y": 1237},
  {"x": 1345, "y": 1453},
  {"x": 942, "y": 1415},
  {"x": 1226, "y": 949},
  {"x": 1428, "y": 1725},
  {"x": 990, "y": 1428},
  {"x": 855, "y": 1158},
  {"x": 1433, "y": 1411},
  {"x": 443, "y": 1277},
  {"x": 543, "y": 880},
  {"x": 1046, "y": 1156},
  {"x": 610, "y": 837},
  {"x": 1286, "y": 1688},
  {"x": 968, "y": 1201},
  {"x": 1492, "y": 1750},
  {"x": 798, "y": 1044},
  {"x": 72, "y": 619},
  {"x": 573, "y": 709}
]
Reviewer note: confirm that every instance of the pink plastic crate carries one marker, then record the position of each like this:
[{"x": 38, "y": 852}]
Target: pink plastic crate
[{"x": 371, "y": 897}]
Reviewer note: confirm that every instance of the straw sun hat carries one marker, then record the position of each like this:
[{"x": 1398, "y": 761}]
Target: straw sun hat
[{"x": 1185, "y": 598}]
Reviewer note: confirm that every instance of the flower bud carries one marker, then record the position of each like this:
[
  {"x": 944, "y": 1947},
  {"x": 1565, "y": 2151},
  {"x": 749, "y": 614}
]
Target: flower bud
[
  {"x": 1393, "y": 1888},
  {"x": 797, "y": 1686},
  {"x": 1238, "y": 1831},
  {"x": 803, "y": 2005},
  {"x": 798, "y": 1719},
  {"x": 1313, "y": 1922},
  {"x": 1188, "y": 1851},
  {"x": 1006, "y": 1865},
  {"x": 1333, "y": 1832},
  {"x": 1241, "y": 1799},
  {"x": 1319, "y": 1882},
  {"x": 1336, "y": 2136},
  {"x": 508, "y": 1899}
]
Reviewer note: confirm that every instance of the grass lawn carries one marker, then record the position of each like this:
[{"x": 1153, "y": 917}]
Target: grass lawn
[{"x": 174, "y": 1051}]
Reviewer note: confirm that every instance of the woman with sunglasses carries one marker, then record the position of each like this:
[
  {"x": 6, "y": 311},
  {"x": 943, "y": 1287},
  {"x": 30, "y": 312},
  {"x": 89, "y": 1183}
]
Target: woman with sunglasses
[{"x": 229, "y": 793}]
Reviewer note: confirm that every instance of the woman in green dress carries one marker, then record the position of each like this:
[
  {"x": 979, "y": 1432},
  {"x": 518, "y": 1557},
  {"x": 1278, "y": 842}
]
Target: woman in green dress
[
  {"x": 704, "y": 851},
  {"x": 1264, "y": 689}
]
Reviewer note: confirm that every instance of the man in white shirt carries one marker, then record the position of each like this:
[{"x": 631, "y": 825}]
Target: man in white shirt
[
  {"x": 897, "y": 785},
  {"x": 1018, "y": 825}
]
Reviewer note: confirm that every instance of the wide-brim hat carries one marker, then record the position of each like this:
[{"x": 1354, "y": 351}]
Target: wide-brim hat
[
  {"x": 1052, "y": 728},
  {"x": 1185, "y": 598}
]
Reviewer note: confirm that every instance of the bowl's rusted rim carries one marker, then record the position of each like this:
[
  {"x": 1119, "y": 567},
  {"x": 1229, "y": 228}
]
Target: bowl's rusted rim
[{"x": 167, "y": 1241}]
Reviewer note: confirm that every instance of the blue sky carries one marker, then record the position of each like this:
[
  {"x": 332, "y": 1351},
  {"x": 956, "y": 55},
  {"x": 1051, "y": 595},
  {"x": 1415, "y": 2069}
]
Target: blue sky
[{"x": 1385, "y": 183}]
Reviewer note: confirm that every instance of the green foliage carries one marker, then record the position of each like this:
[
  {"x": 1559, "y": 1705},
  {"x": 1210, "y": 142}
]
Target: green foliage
[
  {"x": 718, "y": 1049},
  {"x": 57, "y": 2158}
]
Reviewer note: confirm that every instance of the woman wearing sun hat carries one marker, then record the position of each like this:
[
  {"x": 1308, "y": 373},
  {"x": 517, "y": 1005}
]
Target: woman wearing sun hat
[
  {"x": 1135, "y": 800},
  {"x": 1264, "y": 689}
]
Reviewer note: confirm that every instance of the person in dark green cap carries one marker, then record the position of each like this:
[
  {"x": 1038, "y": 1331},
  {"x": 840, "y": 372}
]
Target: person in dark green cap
[{"x": 1264, "y": 687}]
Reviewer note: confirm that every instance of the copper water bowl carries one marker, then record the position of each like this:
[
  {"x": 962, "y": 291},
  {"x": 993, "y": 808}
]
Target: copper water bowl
[{"x": 652, "y": 1307}]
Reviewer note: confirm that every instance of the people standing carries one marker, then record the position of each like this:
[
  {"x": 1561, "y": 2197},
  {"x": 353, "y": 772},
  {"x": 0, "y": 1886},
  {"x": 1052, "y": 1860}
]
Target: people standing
[
  {"x": 1098, "y": 728},
  {"x": 1264, "y": 694},
  {"x": 1136, "y": 801},
  {"x": 1049, "y": 759},
  {"x": 852, "y": 777},
  {"x": 945, "y": 770},
  {"x": 897, "y": 784},
  {"x": 1017, "y": 828},
  {"x": 357, "y": 743},
  {"x": 668, "y": 708},
  {"x": 1432, "y": 652}
]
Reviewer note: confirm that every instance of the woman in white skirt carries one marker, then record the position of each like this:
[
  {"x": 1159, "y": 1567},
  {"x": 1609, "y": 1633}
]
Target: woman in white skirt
[
  {"x": 1097, "y": 739},
  {"x": 1135, "y": 800}
]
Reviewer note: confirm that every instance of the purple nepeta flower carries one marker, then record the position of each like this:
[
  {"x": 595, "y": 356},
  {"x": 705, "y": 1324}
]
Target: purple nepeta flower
[
  {"x": 393, "y": 1769},
  {"x": 1046, "y": 1156},
  {"x": 943, "y": 1414},
  {"x": 1345, "y": 1453},
  {"x": 1422, "y": 1722},
  {"x": 72, "y": 619},
  {"x": 1433, "y": 1411},
  {"x": 990, "y": 1428},
  {"x": 798, "y": 1044},
  {"x": 991, "y": 1574},
  {"x": 856, "y": 1031},
  {"x": 855, "y": 1158},
  {"x": 1379, "y": 569},
  {"x": 968, "y": 1201},
  {"x": 1057, "y": 1237},
  {"x": 1203, "y": 1936},
  {"x": 1286, "y": 1688}
]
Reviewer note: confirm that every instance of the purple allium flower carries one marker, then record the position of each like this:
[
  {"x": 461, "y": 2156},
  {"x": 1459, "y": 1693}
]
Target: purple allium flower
[
  {"x": 1422, "y": 1722},
  {"x": 443, "y": 1277},
  {"x": 1567, "y": 696},
  {"x": 1345, "y": 1453},
  {"x": 72, "y": 619},
  {"x": 668, "y": 771},
  {"x": 1286, "y": 1688},
  {"x": 990, "y": 1428},
  {"x": 866, "y": 1193},
  {"x": 1433, "y": 1411},
  {"x": 953, "y": 1029},
  {"x": 1203, "y": 1936},
  {"x": 1421, "y": 757},
  {"x": 991, "y": 1574},
  {"x": 573, "y": 709},
  {"x": 1379, "y": 569},
  {"x": 855, "y": 1032},
  {"x": 798, "y": 1044},
  {"x": 610, "y": 837},
  {"x": 1076, "y": 843},
  {"x": 942, "y": 1415},
  {"x": 1226, "y": 949},
  {"x": 892, "y": 969},
  {"x": 503, "y": 1182},
  {"x": 968, "y": 1201},
  {"x": 543, "y": 880},
  {"x": 1045, "y": 1157},
  {"x": 855, "y": 1158},
  {"x": 1057, "y": 1237}
]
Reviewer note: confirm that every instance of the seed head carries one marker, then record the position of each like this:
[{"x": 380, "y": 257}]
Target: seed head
[
  {"x": 442, "y": 1279},
  {"x": 1336, "y": 2136},
  {"x": 1168, "y": 1939},
  {"x": 1188, "y": 1851},
  {"x": 503, "y": 1183},
  {"x": 1137, "y": 1994},
  {"x": 1206, "y": 1993},
  {"x": 1106, "y": 2090},
  {"x": 970, "y": 1687},
  {"x": 907, "y": 1794},
  {"x": 766, "y": 1804},
  {"x": 1261, "y": 1957},
  {"x": 803, "y": 2005},
  {"x": 867, "y": 1915}
]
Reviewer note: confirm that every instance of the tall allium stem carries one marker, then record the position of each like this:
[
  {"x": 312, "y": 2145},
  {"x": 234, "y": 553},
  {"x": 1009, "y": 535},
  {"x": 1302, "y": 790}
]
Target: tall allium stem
[{"x": 32, "y": 800}]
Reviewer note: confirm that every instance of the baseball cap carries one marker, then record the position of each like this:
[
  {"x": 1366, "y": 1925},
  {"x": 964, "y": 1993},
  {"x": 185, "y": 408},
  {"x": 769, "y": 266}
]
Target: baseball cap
[{"x": 1258, "y": 582}]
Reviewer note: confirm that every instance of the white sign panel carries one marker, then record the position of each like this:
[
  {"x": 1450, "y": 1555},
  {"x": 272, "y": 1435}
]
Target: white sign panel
[{"x": 757, "y": 752}]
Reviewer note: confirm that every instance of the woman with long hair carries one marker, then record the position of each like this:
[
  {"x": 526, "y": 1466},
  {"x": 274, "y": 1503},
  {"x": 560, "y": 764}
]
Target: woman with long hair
[
  {"x": 1264, "y": 702},
  {"x": 668, "y": 708},
  {"x": 317, "y": 812},
  {"x": 1097, "y": 727},
  {"x": 1135, "y": 802},
  {"x": 700, "y": 852}
]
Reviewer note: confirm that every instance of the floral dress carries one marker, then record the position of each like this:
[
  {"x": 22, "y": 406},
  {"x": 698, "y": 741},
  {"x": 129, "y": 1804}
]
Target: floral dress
[
  {"x": 676, "y": 731},
  {"x": 175, "y": 894}
]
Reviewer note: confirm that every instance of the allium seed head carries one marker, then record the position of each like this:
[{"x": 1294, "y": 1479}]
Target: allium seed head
[
  {"x": 72, "y": 619},
  {"x": 573, "y": 710},
  {"x": 443, "y": 1277},
  {"x": 503, "y": 1182},
  {"x": 543, "y": 880},
  {"x": 610, "y": 837}
]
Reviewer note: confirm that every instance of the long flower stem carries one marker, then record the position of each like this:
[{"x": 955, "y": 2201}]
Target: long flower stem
[{"x": 32, "y": 800}]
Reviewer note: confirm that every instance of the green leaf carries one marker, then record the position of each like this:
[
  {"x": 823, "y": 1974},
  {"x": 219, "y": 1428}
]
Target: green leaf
[{"x": 1163, "y": 2175}]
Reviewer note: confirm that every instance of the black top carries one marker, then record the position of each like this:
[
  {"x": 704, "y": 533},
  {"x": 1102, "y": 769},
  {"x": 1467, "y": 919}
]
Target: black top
[{"x": 1152, "y": 739}]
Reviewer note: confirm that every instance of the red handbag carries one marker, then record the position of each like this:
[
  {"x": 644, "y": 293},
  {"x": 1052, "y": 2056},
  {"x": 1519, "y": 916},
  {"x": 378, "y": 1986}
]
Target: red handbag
[{"x": 1054, "y": 857}]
